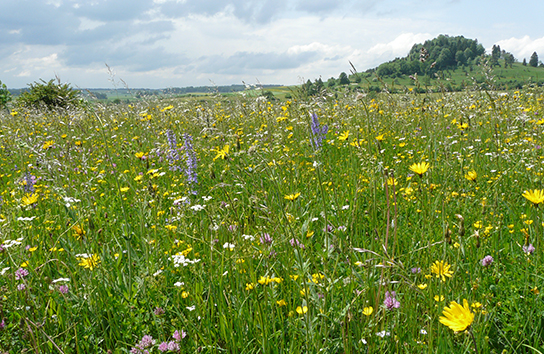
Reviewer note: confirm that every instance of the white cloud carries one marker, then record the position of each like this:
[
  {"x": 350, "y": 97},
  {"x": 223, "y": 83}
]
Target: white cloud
[
  {"x": 87, "y": 24},
  {"x": 400, "y": 46},
  {"x": 522, "y": 47}
]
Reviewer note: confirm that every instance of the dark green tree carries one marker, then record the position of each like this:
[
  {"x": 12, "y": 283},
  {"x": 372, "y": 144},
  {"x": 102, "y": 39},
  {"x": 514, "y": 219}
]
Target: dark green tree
[
  {"x": 524, "y": 62},
  {"x": 343, "y": 79},
  {"x": 534, "y": 60},
  {"x": 50, "y": 94},
  {"x": 509, "y": 59},
  {"x": 460, "y": 57},
  {"x": 5, "y": 95}
]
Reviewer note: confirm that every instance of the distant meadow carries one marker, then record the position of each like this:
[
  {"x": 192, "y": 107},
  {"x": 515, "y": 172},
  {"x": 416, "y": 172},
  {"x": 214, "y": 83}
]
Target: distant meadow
[{"x": 336, "y": 223}]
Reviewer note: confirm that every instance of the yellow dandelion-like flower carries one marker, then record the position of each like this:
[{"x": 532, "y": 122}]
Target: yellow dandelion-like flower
[
  {"x": 420, "y": 168},
  {"x": 367, "y": 311},
  {"x": 292, "y": 196},
  {"x": 442, "y": 270},
  {"x": 457, "y": 317},
  {"x": 535, "y": 196},
  {"x": 48, "y": 144},
  {"x": 343, "y": 136},
  {"x": 281, "y": 303},
  {"x": 89, "y": 262},
  {"x": 79, "y": 232},
  {"x": 29, "y": 199},
  {"x": 221, "y": 153},
  {"x": 471, "y": 175}
]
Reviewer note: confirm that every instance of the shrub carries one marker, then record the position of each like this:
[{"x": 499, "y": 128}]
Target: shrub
[{"x": 51, "y": 94}]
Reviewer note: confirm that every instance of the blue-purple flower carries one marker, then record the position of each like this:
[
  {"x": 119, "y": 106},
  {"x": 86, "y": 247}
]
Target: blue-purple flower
[{"x": 318, "y": 132}]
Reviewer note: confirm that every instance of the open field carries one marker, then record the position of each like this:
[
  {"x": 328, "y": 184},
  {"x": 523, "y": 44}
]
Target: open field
[{"x": 238, "y": 225}]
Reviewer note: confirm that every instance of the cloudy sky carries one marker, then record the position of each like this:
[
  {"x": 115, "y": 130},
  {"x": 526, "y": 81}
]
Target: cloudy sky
[{"x": 177, "y": 43}]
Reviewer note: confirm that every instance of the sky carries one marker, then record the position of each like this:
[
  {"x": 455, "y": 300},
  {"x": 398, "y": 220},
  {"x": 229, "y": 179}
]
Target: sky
[{"x": 179, "y": 43}]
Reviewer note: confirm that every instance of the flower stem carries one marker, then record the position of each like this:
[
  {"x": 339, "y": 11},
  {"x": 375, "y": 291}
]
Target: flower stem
[{"x": 474, "y": 340}]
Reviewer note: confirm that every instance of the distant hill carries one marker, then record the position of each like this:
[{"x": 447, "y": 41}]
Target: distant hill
[{"x": 443, "y": 63}]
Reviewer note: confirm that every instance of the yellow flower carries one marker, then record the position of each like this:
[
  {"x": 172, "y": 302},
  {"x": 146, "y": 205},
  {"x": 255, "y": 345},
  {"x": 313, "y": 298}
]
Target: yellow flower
[
  {"x": 302, "y": 310},
  {"x": 29, "y": 199},
  {"x": 48, "y": 144},
  {"x": 281, "y": 303},
  {"x": 380, "y": 137},
  {"x": 471, "y": 175},
  {"x": 442, "y": 270},
  {"x": 89, "y": 262},
  {"x": 223, "y": 153},
  {"x": 535, "y": 196},
  {"x": 79, "y": 232},
  {"x": 457, "y": 317},
  {"x": 139, "y": 155},
  {"x": 124, "y": 189},
  {"x": 344, "y": 136},
  {"x": 292, "y": 196},
  {"x": 367, "y": 311},
  {"x": 439, "y": 298},
  {"x": 167, "y": 108},
  {"x": 420, "y": 168},
  {"x": 422, "y": 286},
  {"x": 184, "y": 294}
]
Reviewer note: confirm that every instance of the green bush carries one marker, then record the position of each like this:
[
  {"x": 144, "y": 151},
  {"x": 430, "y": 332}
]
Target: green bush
[
  {"x": 5, "y": 95},
  {"x": 50, "y": 94}
]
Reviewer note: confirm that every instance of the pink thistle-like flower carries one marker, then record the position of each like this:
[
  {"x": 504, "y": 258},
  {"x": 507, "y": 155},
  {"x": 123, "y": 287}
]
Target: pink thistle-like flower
[
  {"x": 63, "y": 289},
  {"x": 486, "y": 261},
  {"x": 21, "y": 273},
  {"x": 390, "y": 301}
]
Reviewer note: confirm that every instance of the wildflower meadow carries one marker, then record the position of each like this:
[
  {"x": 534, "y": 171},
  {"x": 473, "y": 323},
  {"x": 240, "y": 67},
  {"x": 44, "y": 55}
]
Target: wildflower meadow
[{"x": 341, "y": 223}]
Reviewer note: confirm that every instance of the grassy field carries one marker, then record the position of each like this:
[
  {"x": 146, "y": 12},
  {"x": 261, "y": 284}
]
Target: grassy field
[
  {"x": 233, "y": 224},
  {"x": 462, "y": 77}
]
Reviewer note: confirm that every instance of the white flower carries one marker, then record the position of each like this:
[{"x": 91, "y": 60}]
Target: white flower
[
  {"x": 191, "y": 308},
  {"x": 179, "y": 284},
  {"x": 230, "y": 246},
  {"x": 345, "y": 207},
  {"x": 180, "y": 259},
  {"x": 248, "y": 237},
  {"x": 60, "y": 279},
  {"x": 4, "y": 271},
  {"x": 206, "y": 198},
  {"x": 383, "y": 334},
  {"x": 10, "y": 243},
  {"x": 179, "y": 201},
  {"x": 423, "y": 331},
  {"x": 198, "y": 207},
  {"x": 69, "y": 201},
  {"x": 157, "y": 272},
  {"x": 315, "y": 219},
  {"x": 20, "y": 218},
  {"x": 363, "y": 341}
]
